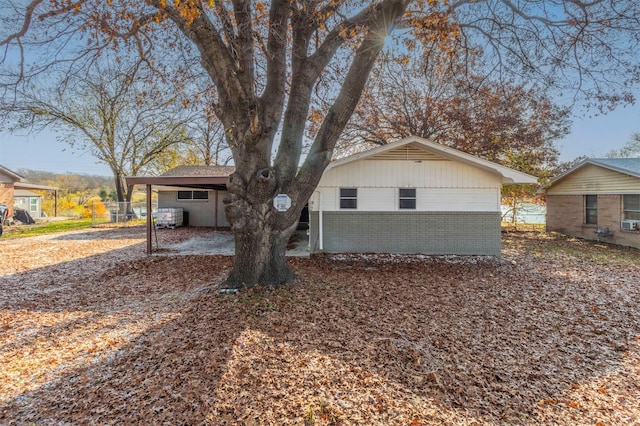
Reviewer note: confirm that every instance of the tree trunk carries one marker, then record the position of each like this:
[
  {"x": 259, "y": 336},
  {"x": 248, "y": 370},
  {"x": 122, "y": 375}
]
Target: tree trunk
[
  {"x": 261, "y": 232},
  {"x": 260, "y": 259}
]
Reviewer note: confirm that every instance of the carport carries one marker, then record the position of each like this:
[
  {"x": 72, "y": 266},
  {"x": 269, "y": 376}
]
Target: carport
[{"x": 217, "y": 182}]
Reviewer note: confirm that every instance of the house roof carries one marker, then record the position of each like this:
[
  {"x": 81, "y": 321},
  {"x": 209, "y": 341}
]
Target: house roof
[
  {"x": 23, "y": 185},
  {"x": 628, "y": 166},
  {"x": 200, "y": 171},
  {"x": 25, "y": 193},
  {"x": 16, "y": 177},
  {"x": 508, "y": 175},
  {"x": 20, "y": 182},
  {"x": 215, "y": 177},
  {"x": 203, "y": 177}
]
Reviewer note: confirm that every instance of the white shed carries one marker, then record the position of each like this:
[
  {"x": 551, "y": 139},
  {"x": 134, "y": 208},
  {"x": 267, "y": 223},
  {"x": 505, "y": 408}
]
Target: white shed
[{"x": 410, "y": 196}]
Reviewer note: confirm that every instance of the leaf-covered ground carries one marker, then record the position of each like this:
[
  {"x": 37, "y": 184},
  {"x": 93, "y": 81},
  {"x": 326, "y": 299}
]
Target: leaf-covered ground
[{"x": 94, "y": 332}]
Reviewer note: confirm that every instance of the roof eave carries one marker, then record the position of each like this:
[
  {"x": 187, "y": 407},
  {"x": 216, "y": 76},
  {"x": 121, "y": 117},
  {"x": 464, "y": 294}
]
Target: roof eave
[{"x": 14, "y": 175}]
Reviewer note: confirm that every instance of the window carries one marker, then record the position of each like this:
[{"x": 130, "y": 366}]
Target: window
[
  {"x": 591, "y": 209},
  {"x": 631, "y": 206},
  {"x": 33, "y": 205},
  {"x": 193, "y": 195},
  {"x": 348, "y": 198},
  {"x": 407, "y": 197},
  {"x": 200, "y": 195}
]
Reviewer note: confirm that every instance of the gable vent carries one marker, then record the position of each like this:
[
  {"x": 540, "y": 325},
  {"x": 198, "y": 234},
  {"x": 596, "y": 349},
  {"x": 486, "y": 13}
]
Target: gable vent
[{"x": 409, "y": 152}]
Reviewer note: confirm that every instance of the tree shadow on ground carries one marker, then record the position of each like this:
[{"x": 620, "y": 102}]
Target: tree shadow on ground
[{"x": 356, "y": 342}]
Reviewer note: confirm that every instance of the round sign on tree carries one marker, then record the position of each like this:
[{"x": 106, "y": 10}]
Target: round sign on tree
[{"x": 282, "y": 202}]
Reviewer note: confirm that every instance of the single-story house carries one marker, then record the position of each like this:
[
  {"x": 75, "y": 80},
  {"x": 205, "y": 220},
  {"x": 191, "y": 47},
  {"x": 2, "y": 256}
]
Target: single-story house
[
  {"x": 598, "y": 199},
  {"x": 29, "y": 201},
  {"x": 8, "y": 180},
  {"x": 14, "y": 189},
  {"x": 410, "y": 196}
]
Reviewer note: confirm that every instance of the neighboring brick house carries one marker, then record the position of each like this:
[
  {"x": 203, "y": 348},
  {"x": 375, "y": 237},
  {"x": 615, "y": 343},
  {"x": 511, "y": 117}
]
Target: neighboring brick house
[
  {"x": 410, "y": 196},
  {"x": 14, "y": 190},
  {"x": 599, "y": 199},
  {"x": 8, "y": 179}
]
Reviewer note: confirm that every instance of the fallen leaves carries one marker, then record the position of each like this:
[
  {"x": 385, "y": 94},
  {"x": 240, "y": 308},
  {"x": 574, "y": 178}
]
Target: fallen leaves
[{"x": 94, "y": 331}]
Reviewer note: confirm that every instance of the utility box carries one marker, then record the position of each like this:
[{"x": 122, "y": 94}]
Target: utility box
[{"x": 169, "y": 217}]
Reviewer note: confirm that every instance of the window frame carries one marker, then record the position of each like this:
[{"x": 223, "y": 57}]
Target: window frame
[
  {"x": 630, "y": 212},
  {"x": 410, "y": 201},
  {"x": 33, "y": 205},
  {"x": 590, "y": 211},
  {"x": 191, "y": 195},
  {"x": 346, "y": 199}
]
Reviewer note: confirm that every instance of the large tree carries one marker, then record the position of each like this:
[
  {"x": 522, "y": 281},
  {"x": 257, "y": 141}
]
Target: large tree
[
  {"x": 270, "y": 62},
  {"x": 124, "y": 119},
  {"x": 445, "y": 98}
]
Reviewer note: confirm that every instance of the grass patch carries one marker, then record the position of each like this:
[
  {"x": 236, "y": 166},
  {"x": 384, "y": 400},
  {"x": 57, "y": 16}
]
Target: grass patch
[{"x": 20, "y": 231}]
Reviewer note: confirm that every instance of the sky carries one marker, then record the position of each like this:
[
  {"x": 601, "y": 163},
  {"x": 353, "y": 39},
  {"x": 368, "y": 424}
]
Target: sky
[
  {"x": 43, "y": 152},
  {"x": 592, "y": 137}
]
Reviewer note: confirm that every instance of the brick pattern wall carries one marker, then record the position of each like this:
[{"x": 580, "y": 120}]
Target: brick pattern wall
[
  {"x": 463, "y": 233},
  {"x": 6, "y": 196},
  {"x": 565, "y": 214}
]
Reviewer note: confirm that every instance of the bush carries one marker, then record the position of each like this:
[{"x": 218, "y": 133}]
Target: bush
[{"x": 95, "y": 206}]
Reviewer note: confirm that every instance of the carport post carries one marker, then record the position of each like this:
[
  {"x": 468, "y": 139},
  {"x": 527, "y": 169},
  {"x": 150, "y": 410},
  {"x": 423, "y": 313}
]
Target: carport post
[{"x": 149, "y": 219}]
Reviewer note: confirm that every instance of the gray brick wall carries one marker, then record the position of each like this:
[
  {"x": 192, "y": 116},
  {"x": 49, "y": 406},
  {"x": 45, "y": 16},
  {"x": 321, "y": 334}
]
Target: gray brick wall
[{"x": 464, "y": 233}]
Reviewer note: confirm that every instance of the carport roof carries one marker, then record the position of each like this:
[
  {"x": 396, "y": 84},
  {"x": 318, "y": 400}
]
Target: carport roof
[{"x": 203, "y": 177}]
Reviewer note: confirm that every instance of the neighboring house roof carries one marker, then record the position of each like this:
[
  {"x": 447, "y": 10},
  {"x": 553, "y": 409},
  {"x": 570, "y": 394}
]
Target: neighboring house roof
[
  {"x": 25, "y": 193},
  {"x": 16, "y": 177},
  {"x": 628, "y": 166},
  {"x": 20, "y": 182},
  {"x": 508, "y": 175},
  {"x": 23, "y": 185}
]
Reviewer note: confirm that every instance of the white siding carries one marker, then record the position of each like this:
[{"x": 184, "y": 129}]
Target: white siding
[
  {"x": 469, "y": 200},
  {"x": 440, "y": 186},
  {"x": 425, "y": 174},
  {"x": 427, "y": 199},
  {"x": 377, "y": 199}
]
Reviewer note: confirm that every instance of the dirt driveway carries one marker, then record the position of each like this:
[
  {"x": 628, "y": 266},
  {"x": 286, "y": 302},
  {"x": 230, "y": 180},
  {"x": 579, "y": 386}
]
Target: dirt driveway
[{"x": 93, "y": 331}]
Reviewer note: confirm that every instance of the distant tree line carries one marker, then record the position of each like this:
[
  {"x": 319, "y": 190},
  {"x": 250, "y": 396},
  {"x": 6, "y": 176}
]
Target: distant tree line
[{"x": 74, "y": 190}]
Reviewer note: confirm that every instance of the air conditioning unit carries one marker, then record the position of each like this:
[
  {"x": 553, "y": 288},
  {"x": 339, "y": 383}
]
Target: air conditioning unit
[{"x": 630, "y": 225}]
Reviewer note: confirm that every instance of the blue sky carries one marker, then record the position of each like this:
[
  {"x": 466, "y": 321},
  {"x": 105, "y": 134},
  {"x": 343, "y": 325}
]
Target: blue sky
[
  {"x": 592, "y": 137},
  {"x": 42, "y": 151}
]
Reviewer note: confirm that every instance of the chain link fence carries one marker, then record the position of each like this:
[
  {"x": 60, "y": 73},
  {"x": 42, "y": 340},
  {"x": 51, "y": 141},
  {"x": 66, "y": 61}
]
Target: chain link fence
[{"x": 119, "y": 214}]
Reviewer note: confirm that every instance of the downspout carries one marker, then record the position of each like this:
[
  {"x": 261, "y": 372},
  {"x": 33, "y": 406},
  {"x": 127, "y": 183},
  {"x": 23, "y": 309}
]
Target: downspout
[
  {"x": 215, "y": 209},
  {"x": 149, "y": 219},
  {"x": 320, "y": 234}
]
